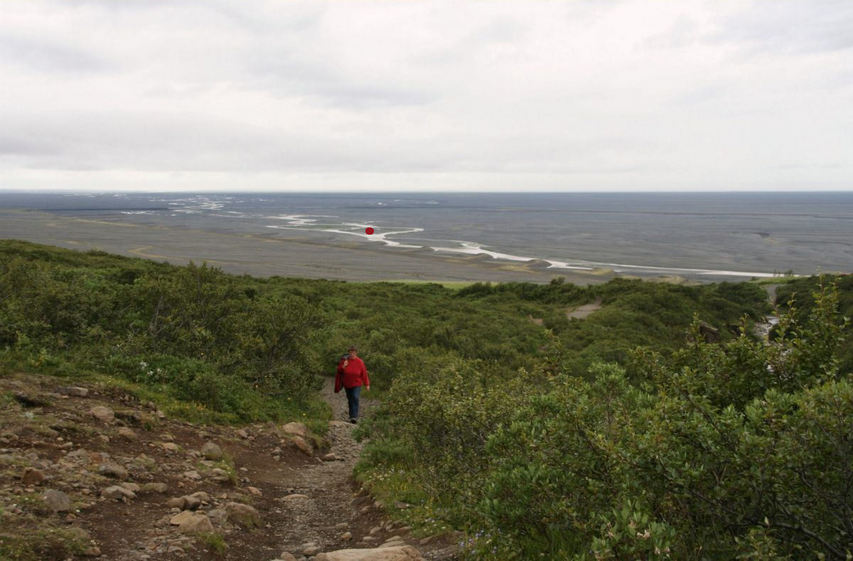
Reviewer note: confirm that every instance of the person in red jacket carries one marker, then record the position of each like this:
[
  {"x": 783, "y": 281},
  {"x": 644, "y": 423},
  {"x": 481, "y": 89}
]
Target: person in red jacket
[{"x": 352, "y": 375}]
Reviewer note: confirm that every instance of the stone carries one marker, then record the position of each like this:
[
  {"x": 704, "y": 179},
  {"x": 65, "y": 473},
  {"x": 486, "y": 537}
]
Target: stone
[
  {"x": 254, "y": 491},
  {"x": 219, "y": 474},
  {"x": 287, "y": 556},
  {"x": 191, "y": 503},
  {"x": 330, "y": 457},
  {"x": 154, "y": 488},
  {"x": 218, "y": 516},
  {"x": 399, "y": 553},
  {"x": 346, "y": 536},
  {"x": 171, "y": 447},
  {"x": 127, "y": 433},
  {"x": 310, "y": 549},
  {"x": 112, "y": 470},
  {"x": 76, "y": 391},
  {"x": 117, "y": 492},
  {"x": 196, "y": 524},
  {"x": 32, "y": 476},
  {"x": 176, "y": 502},
  {"x": 192, "y": 474},
  {"x": 57, "y": 501},
  {"x": 179, "y": 518},
  {"x": 103, "y": 414},
  {"x": 242, "y": 433},
  {"x": 297, "y": 429},
  {"x": 243, "y": 515},
  {"x": 301, "y": 444},
  {"x": 294, "y": 497},
  {"x": 212, "y": 451}
]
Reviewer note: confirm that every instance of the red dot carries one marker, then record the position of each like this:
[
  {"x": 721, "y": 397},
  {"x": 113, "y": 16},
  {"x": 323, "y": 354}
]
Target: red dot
[{"x": 368, "y": 231}]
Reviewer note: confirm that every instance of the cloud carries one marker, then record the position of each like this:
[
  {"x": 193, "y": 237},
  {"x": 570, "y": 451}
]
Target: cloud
[{"x": 579, "y": 95}]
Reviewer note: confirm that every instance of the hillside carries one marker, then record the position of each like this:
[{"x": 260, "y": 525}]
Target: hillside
[
  {"x": 89, "y": 471},
  {"x": 527, "y": 421}
]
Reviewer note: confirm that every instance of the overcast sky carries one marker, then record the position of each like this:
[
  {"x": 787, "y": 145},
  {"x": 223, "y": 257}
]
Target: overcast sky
[{"x": 421, "y": 95}]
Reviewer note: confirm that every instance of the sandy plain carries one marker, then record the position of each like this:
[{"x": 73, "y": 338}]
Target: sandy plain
[{"x": 293, "y": 256}]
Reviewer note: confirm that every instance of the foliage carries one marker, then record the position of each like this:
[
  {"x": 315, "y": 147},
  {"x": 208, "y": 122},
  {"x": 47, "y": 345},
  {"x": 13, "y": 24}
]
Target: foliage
[{"x": 716, "y": 451}]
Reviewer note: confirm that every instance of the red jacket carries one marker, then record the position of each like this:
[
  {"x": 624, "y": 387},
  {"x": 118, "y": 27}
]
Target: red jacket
[{"x": 352, "y": 375}]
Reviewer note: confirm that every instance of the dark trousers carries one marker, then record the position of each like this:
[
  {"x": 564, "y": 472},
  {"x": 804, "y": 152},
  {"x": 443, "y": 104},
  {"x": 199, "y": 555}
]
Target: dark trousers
[{"x": 352, "y": 401}]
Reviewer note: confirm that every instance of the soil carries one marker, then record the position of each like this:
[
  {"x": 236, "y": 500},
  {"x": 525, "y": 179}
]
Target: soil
[{"x": 300, "y": 496}]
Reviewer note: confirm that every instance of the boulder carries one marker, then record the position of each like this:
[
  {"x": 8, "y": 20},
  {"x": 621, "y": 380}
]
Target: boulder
[
  {"x": 57, "y": 501},
  {"x": 243, "y": 515},
  {"x": 399, "y": 553},
  {"x": 212, "y": 451},
  {"x": 296, "y": 429},
  {"x": 103, "y": 414}
]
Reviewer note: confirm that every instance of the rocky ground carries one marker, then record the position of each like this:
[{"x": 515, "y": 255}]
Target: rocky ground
[{"x": 90, "y": 472}]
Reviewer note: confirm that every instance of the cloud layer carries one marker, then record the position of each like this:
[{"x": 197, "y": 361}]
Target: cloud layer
[{"x": 581, "y": 95}]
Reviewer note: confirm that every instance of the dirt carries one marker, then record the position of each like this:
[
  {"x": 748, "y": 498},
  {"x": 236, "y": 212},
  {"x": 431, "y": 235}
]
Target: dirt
[
  {"x": 583, "y": 312},
  {"x": 299, "y": 497}
]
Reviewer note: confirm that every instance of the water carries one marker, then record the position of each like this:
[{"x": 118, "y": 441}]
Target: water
[{"x": 699, "y": 235}]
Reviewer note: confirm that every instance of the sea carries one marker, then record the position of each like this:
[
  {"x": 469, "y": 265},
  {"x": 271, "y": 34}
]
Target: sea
[{"x": 714, "y": 235}]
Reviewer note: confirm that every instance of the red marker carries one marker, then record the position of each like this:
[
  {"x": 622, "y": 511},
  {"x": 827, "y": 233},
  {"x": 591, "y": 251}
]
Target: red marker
[{"x": 368, "y": 231}]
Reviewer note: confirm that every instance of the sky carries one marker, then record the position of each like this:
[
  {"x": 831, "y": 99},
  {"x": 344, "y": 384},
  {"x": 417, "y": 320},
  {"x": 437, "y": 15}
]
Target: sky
[{"x": 414, "y": 95}]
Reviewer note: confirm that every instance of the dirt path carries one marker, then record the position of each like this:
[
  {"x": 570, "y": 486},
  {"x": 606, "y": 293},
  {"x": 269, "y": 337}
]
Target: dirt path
[
  {"x": 304, "y": 501},
  {"x": 582, "y": 312},
  {"x": 324, "y": 508}
]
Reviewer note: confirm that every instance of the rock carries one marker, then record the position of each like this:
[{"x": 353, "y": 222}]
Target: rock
[
  {"x": 297, "y": 429},
  {"x": 154, "y": 488},
  {"x": 92, "y": 551},
  {"x": 346, "y": 536},
  {"x": 117, "y": 492},
  {"x": 177, "y": 502},
  {"x": 112, "y": 470},
  {"x": 287, "y": 556},
  {"x": 310, "y": 549},
  {"x": 192, "y": 474},
  {"x": 242, "y": 433},
  {"x": 330, "y": 457},
  {"x": 218, "y": 516},
  {"x": 212, "y": 451},
  {"x": 196, "y": 524},
  {"x": 254, "y": 491},
  {"x": 243, "y": 515},
  {"x": 127, "y": 433},
  {"x": 57, "y": 501},
  {"x": 131, "y": 487},
  {"x": 171, "y": 447},
  {"x": 294, "y": 497},
  {"x": 219, "y": 475},
  {"x": 103, "y": 414},
  {"x": 375, "y": 530},
  {"x": 302, "y": 445},
  {"x": 76, "y": 391},
  {"x": 181, "y": 517},
  {"x": 400, "y": 553},
  {"x": 191, "y": 503},
  {"x": 32, "y": 476}
]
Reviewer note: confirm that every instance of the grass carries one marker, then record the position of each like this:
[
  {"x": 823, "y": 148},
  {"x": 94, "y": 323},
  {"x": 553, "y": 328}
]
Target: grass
[
  {"x": 215, "y": 542},
  {"x": 42, "y": 544}
]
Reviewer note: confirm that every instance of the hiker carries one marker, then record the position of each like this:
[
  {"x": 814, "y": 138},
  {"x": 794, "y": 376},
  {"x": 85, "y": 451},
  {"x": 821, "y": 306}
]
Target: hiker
[{"x": 351, "y": 375}]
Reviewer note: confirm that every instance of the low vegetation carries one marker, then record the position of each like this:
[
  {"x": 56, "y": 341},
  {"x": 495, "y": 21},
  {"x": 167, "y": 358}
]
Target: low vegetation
[{"x": 659, "y": 427}]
